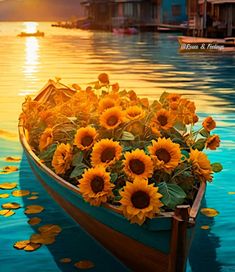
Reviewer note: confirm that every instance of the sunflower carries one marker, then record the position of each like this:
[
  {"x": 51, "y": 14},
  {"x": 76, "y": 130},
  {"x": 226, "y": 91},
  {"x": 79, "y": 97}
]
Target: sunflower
[
  {"x": 201, "y": 165},
  {"x": 137, "y": 164},
  {"x": 173, "y": 97},
  {"x": 155, "y": 129},
  {"x": 164, "y": 119},
  {"x": 135, "y": 113},
  {"x": 103, "y": 78},
  {"x": 95, "y": 186},
  {"x": 105, "y": 152},
  {"x": 46, "y": 138},
  {"x": 140, "y": 201},
  {"x": 165, "y": 154},
  {"x": 111, "y": 118},
  {"x": 85, "y": 137},
  {"x": 209, "y": 124},
  {"x": 213, "y": 142},
  {"x": 115, "y": 87},
  {"x": 62, "y": 158},
  {"x": 107, "y": 103},
  {"x": 186, "y": 111}
]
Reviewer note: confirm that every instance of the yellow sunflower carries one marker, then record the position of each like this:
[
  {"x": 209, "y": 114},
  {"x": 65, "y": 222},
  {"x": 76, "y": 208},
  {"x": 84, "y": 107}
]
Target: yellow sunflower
[
  {"x": 213, "y": 142},
  {"x": 46, "y": 138},
  {"x": 173, "y": 97},
  {"x": 95, "y": 186},
  {"x": 201, "y": 165},
  {"x": 105, "y": 152},
  {"x": 111, "y": 118},
  {"x": 135, "y": 113},
  {"x": 140, "y": 201},
  {"x": 85, "y": 137},
  {"x": 103, "y": 78},
  {"x": 107, "y": 103},
  {"x": 165, "y": 154},
  {"x": 164, "y": 119},
  {"x": 137, "y": 164},
  {"x": 62, "y": 158}
]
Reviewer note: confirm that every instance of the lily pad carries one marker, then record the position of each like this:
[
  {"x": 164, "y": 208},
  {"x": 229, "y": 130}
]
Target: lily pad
[
  {"x": 20, "y": 193},
  {"x": 34, "y": 221},
  {"x": 31, "y": 209},
  {"x": 209, "y": 212},
  {"x": 8, "y": 185},
  {"x": 85, "y": 264},
  {"x": 11, "y": 205},
  {"x": 21, "y": 244}
]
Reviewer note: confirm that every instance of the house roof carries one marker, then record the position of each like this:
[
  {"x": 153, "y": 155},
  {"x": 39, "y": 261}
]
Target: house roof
[{"x": 217, "y": 1}]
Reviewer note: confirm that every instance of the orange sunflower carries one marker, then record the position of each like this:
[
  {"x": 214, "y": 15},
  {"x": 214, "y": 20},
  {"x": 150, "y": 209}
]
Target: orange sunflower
[
  {"x": 107, "y": 103},
  {"x": 95, "y": 186},
  {"x": 213, "y": 142},
  {"x": 105, "y": 152},
  {"x": 140, "y": 201},
  {"x": 103, "y": 78},
  {"x": 209, "y": 123},
  {"x": 46, "y": 139},
  {"x": 164, "y": 119},
  {"x": 173, "y": 97},
  {"x": 201, "y": 165},
  {"x": 138, "y": 165},
  {"x": 62, "y": 158},
  {"x": 85, "y": 137},
  {"x": 135, "y": 113},
  {"x": 165, "y": 154},
  {"x": 112, "y": 118}
]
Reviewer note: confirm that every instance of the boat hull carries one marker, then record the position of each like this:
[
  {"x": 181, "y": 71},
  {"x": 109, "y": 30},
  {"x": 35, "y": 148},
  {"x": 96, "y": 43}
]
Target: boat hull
[{"x": 159, "y": 245}]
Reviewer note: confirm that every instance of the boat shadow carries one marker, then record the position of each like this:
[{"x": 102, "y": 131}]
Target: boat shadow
[
  {"x": 202, "y": 256},
  {"x": 73, "y": 242}
]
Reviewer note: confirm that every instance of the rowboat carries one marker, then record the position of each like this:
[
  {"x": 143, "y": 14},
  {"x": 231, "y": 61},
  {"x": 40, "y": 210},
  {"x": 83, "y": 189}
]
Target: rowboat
[
  {"x": 34, "y": 34},
  {"x": 160, "y": 244},
  {"x": 206, "y": 44}
]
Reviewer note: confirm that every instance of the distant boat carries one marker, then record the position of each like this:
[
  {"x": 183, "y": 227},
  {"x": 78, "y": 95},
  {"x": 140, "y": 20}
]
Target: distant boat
[
  {"x": 125, "y": 30},
  {"x": 188, "y": 44},
  {"x": 34, "y": 34}
]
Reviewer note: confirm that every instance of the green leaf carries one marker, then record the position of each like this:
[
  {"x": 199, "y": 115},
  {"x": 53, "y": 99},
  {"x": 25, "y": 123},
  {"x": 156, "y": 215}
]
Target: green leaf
[
  {"x": 78, "y": 170},
  {"x": 216, "y": 167},
  {"x": 48, "y": 153},
  {"x": 127, "y": 136},
  {"x": 113, "y": 177},
  {"x": 185, "y": 153},
  {"x": 77, "y": 158},
  {"x": 173, "y": 195},
  {"x": 200, "y": 144},
  {"x": 205, "y": 133},
  {"x": 180, "y": 126},
  {"x": 163, "y": 97}
]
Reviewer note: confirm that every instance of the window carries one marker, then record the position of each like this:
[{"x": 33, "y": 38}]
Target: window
[
  {"x": 128, "y": 9},
  {"x": 176, "y": 10}
]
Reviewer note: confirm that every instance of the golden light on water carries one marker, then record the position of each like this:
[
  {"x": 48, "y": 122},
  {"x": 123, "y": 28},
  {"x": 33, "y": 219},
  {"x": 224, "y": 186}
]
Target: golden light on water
[
  {"x": 31, "y": 56},
  {"x": 30, "y": 27}
]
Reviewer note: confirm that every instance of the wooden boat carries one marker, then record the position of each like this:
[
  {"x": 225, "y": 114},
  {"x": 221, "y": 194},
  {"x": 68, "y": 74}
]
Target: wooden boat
[
  {"x": 125, "y": 31},
  {"x": 160, "y": 244},
  {"x": 206, "y": 44},
  {"x": 35, "y": 34}
]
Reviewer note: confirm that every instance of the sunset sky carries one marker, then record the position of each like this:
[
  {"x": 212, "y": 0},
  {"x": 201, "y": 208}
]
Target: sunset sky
[{"x": 40, "y": 10}]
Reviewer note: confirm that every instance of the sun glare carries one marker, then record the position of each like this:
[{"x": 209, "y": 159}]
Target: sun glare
[
  {"x": 31, "y": 60},
  {"x": 30, "y": 27}
]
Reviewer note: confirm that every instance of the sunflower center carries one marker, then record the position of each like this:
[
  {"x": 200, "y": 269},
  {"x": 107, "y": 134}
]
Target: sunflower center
[
  {"x": 108, "y": 154},
  {"x": 112, "y": 120},
  {"x": 87, "y": 140},
  {"x": 137, "y": 166},
  {"x": 140, "y": 200},
  {"x": 163, "y": 155},
  {"x": 162, "y": 119},
  {"x": 97, "y": 184}
]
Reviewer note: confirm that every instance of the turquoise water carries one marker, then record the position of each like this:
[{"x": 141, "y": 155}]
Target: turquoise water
[{"x": 148, "y": 63}]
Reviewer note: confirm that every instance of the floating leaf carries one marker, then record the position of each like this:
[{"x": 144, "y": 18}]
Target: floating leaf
[
  {"x": 6, "y": 213},
  {"x": 50, "y": 229},
  {"x": 209, "y": 212},
  {"x": 20, "y": 193},
  {"x": 32, "y": 197},
  {"x": 205, "y": 227},
  {"x": 231, "y": 193},
  {"x": 32, "y": 247},
  {"x": 4, "y": 195},
  {"x": 42, "y": 239},
  {"x": 85, "y": 264},
  {"x": 10, "y": 169},
  {"x": 34, "y": 221},
  {"x": 173, "y": 194},
  {"x": 216, "y": 167},
  {"x": 65, "y": 260},
  {"x": 11, "y": 205},
  {"x": 34, "y": 193},
  {"x": 8, "y": 185},
  {"x": 21, "y": 244},
  {"x": 12, "y": 159},
  {"x": 31, "y": 209}
]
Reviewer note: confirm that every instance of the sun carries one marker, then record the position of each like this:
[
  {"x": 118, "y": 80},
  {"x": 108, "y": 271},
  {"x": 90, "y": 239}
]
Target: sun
[{"x": 30, "y": 27}]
